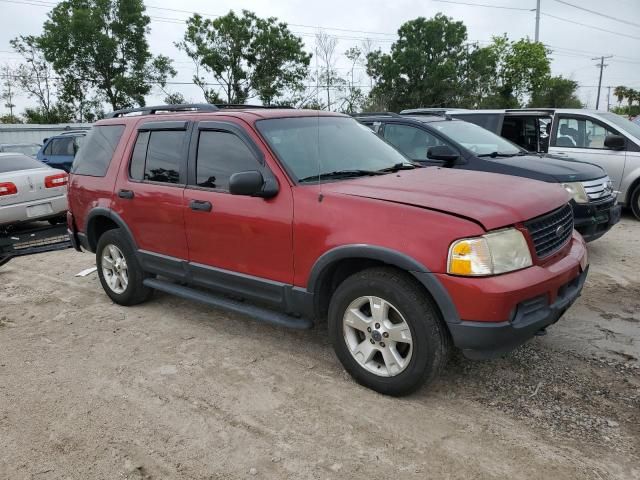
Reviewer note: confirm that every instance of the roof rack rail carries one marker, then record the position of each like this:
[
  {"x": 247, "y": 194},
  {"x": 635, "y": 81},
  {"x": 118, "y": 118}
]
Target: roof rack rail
[
  {"x": 244, "y": 105},
  {"x": 181, "y": 107},
  {"x": 375, "y": 114}
]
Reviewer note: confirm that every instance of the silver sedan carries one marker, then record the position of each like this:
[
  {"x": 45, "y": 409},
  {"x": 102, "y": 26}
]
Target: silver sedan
[{"x": 30, "y": 190}]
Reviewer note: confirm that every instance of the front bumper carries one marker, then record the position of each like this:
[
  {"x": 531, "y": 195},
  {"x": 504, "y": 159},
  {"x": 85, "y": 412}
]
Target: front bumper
[
  {"x": 482, "y": 340},
  {"x": 594, "y": 219},
  {"x": 499, "y": 313}
]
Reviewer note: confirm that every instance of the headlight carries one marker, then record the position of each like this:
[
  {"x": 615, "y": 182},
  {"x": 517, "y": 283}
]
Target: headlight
[
  {"x": 497, "y": 252},
  {"x": 577, "y": 192}
]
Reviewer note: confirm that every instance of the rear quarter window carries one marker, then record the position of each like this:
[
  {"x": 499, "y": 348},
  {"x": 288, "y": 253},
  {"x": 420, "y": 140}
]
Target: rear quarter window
[{"x": 94, "y": 158}]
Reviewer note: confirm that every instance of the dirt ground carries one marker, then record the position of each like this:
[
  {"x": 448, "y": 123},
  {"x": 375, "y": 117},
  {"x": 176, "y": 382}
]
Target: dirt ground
[{"x": 174, "y": 389}]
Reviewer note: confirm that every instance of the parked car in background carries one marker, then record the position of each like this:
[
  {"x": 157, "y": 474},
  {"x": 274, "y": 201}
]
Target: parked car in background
[
  {"x": 309, "y": 215},
  {"x": 30, "y": 149},
  {"x": 601, "y": 138},
  {"x": 442, "y": 141},
  {"x": 60, "y": 150},
  {"x": 30, "y": 190}
]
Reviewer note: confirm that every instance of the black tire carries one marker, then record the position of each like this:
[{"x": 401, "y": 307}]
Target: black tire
[
  {"x": 135, "y": 292},
  {"x": 430, "y": 339},
  {"x": 57, "y": 220},
  {"x": 635, "y": 202}
]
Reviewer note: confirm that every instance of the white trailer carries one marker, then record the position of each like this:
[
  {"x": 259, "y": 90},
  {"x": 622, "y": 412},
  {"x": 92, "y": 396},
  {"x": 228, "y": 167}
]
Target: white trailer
[{"x": 35, "y": 133}]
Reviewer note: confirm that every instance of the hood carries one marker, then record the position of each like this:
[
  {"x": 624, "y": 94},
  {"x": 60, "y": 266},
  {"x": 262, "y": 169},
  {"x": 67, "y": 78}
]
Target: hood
[
  {"x": 489, "y": 199},
  {"x": 548, "y": 168}
]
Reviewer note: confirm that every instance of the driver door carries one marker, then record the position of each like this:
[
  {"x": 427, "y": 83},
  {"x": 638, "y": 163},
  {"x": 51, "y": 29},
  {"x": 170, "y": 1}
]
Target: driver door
[{"x": 232, "y": 236}]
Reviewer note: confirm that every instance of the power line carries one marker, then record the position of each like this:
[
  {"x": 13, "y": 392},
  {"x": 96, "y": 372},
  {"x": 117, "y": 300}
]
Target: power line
[
  {"x": 488, "y": 6},
  {"x": 599, "y": 13},
  {"x": 590, "y": 26}
]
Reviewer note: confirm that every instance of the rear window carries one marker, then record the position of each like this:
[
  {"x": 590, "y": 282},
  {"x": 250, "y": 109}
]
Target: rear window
[
  {"x": 14, "y": 163},
  {"x": 94, "y": 157}
]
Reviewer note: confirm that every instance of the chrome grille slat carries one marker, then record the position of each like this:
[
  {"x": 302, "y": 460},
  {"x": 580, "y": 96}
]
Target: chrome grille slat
[
  {"x": 543, "y": 231},
  {"x": 598, "y": 189}
]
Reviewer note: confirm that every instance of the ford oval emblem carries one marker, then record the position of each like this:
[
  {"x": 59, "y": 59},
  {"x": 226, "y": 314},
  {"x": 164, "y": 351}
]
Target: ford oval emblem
[{"x": 559, "y": 231}]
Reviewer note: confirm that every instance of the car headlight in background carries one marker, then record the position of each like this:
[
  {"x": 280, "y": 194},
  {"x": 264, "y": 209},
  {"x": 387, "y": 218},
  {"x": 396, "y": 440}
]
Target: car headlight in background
[
  {"x": 577, "y": 192},
  {"x": 493, "y": 253}
]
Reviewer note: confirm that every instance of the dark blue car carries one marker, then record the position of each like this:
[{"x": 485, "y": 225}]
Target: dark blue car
[{"x": 60, "y": 150}]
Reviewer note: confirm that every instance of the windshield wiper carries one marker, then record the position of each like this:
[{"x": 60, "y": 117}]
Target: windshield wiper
[
  {"x": 341, "y": 174},
  {"x": 398, "y": 166},
  {"x": 498, "y": 154}
]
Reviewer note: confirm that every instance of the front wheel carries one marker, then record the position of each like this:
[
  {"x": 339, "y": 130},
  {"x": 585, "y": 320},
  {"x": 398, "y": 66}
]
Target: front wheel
[{"x": 386, "y": 331}]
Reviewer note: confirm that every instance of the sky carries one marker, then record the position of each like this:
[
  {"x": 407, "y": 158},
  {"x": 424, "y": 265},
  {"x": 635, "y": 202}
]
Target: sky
[{"x": 575, "y": 35}]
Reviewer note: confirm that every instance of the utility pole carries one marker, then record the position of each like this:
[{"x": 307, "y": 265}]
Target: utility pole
[
  {"x": 608, "y": 97},
  {"x": 537, "y": 20},
  {"x": 601, "y": 65}
]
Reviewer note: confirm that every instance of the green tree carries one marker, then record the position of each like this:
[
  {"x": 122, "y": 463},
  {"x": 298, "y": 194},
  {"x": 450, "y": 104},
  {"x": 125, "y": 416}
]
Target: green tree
[
  {"x": 620, "y": 93},
  {"x": 103, "y": 43},
  {"x": 522, "y": 68},
  {"x": 354, "y": 97},
  {"x": 8, "y": 92},
  {"x": 246, "y": 55},
  {"x": 424, "y": 67},
  {"x": 174, "y": 98},
  {"x": 556, "y": 92}
]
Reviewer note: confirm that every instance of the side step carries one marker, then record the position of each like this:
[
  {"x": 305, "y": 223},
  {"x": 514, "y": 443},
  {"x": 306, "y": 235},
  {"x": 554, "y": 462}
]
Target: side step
[{"x": 259, "y": 313}]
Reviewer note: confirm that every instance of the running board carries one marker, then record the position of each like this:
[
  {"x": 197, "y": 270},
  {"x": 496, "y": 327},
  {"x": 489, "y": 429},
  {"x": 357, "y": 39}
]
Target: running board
[{"x": 254, "y": 311}]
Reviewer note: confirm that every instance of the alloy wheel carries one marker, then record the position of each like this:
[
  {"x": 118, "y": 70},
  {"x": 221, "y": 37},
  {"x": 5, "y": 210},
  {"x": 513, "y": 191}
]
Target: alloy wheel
[
  {"x": 378, "y": 336},
  {"x": 114, "y": 268}
]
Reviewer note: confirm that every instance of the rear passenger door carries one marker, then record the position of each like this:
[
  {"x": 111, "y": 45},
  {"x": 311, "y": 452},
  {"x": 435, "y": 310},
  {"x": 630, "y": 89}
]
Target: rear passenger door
[
  {"x": 235, "y": 239},
  {"x": 149, "y": 194}
]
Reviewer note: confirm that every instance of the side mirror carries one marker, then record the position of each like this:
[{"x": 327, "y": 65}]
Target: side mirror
[
  {"x": 444, "y": 153},
  {"x": 252, "y": 184},
  {"x": 614, "y": 142}
]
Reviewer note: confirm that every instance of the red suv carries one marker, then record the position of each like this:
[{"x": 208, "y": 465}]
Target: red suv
[{"x": 295, "y": 216}]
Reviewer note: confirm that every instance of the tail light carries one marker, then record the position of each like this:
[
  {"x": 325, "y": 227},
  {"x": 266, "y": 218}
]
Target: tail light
[
  {"x": 58, "y": 180},
  {"x": 8, "y": 188}
]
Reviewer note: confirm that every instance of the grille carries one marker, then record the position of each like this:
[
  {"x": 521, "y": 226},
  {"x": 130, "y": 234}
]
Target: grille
[
  {"x": 552, "y": 231},
  {"x": 598, "y": 189}
]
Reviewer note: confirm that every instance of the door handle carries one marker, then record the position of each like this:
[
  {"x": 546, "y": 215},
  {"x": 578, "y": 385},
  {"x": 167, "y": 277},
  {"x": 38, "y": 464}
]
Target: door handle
[
  {"x": 200, "y": 205},
  {"x": 128, "y": 194}
]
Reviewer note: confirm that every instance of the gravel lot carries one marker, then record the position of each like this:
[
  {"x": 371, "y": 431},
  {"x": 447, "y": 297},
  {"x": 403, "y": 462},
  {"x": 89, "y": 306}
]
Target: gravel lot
[{"x": 174, "y": 389}]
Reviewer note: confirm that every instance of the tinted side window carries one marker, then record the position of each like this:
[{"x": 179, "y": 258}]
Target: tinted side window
[
  {"x": 488, "y": 121},
  {"x": 164, "y": 156},
  {"x": 94, "y": 157},
  {"x": 62, "y": 146},
  {"x": 47, "y": 149},
  {"x": 136, "y": 167},
  {"x": 220, "y": 155},
  {"x": 411, "y": 141}
]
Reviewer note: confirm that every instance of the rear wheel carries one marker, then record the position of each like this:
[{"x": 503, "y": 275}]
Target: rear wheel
[
  {"x": 118, "y": 269},
  {"x": 386, "y": 331},
  {"x": 635, "y": 202}
]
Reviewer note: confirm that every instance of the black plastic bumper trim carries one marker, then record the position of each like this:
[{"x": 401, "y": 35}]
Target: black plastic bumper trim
[{"x": 484, "y": 340}]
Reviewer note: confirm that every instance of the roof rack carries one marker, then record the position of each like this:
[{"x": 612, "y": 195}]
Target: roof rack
[
  {"x": 182, "y": 107},
  {"x": 187, "y": 107},
  {"x": 230, "y": 106},
  {"x": 375, "y": 114}
]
